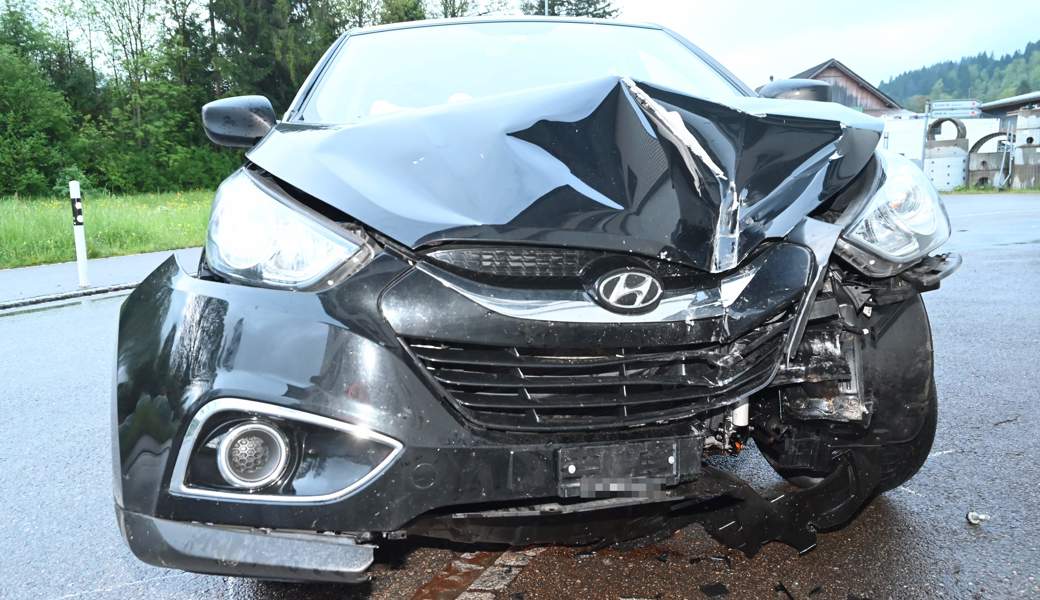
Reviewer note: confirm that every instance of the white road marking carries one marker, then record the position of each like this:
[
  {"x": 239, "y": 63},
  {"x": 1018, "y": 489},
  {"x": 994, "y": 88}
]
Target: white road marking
[
  {"x": 494, "y": 578},
  {"x": 908, "y": 490},
  {"x": 498, "y": 576},
  {"x": 941, "y": 452}
]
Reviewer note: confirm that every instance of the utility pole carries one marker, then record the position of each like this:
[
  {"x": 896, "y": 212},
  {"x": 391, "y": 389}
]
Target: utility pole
[{"x": 547, "y": 8}]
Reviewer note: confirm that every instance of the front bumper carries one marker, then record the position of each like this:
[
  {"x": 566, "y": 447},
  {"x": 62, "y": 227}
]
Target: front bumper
[
  {"x": 728, "y": 509},
  {"x": 184, "y": 342},
  {"x": 216, "y": 549}
]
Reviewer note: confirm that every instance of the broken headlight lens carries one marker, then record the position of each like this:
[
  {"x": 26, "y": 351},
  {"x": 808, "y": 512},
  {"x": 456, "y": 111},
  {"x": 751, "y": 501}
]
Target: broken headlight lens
[
  {"x": 905, "y": 219},
  {"x": 259, "y": 237}
]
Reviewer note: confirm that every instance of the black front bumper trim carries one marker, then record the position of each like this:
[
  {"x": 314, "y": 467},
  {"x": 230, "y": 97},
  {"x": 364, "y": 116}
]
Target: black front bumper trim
[
  {"x": 927, "y": 274},
  {"x": 729, "y": 509},
  {"x": 243, "y": 552}
]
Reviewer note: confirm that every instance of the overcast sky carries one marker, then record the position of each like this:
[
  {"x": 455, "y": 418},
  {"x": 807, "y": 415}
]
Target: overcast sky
[{"x": 877, "y": 39}]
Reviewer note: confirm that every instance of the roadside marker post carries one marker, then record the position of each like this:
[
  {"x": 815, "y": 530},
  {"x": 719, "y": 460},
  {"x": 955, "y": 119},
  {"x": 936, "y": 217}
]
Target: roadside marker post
[{"x": 77, "y": 233}]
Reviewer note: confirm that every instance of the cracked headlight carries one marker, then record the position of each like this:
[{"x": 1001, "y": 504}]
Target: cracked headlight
[
  {"x": 902, "y": 222},
  {"x": 258, "y": 236}
]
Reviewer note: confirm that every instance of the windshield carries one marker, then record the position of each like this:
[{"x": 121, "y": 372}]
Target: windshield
[{"x": 389, "y": 71}]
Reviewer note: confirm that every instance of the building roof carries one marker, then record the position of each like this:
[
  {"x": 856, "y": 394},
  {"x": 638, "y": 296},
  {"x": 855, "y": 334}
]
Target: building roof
[
  {"x": 812, "y": 72},
  {"x": 1013, "y": 102}
]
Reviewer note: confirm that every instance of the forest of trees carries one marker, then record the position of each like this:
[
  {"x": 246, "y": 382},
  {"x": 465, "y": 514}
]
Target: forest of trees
[
  {"x": 981, "y": 77},
  {"x": 109, "y": 91}
]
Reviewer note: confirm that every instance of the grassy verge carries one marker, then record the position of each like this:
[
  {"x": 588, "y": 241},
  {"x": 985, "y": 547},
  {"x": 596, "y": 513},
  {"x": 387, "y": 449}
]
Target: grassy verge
[
  {"x": 39, "y": 231},
  {"x": 989, "y": 190}
]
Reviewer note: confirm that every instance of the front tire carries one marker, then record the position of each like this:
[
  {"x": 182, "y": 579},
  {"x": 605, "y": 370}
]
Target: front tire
[
  {"x": 897, "y": 379},
  {"x": 900, "y": 462}
]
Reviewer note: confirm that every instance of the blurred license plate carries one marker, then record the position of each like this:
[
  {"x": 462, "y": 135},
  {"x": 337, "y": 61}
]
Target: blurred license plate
[{"x": 630, "y": 468}]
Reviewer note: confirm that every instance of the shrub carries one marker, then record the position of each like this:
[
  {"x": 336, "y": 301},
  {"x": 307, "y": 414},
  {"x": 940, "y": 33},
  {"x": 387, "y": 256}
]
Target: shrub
[{"x": 35, "y": 126}]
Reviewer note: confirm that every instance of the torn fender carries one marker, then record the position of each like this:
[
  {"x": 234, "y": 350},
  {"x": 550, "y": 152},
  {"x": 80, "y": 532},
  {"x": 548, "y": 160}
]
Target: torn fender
[{"x": 605, "y": 164}]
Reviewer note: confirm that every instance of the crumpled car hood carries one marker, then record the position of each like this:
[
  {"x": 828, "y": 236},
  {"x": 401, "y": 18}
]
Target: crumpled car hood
[{"x": 607, "y": 164}]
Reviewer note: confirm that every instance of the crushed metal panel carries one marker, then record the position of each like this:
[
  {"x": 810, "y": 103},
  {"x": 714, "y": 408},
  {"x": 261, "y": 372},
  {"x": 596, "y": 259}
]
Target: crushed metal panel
[
  {"x": 671, "y": 125},
  {"x": 591, "y": 164}
]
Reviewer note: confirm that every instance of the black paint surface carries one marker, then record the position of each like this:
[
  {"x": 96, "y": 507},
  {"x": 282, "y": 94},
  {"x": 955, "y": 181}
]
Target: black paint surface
[
  {"x": 578, "y": 165},
  {"x": 58, "y": 534}
]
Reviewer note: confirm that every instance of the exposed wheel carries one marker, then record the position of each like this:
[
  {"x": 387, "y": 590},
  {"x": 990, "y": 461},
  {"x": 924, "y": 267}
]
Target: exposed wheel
[
  {"x": 897, "y": 379},
  {"x": 900, "y": 462},
  {"x": 897, "y": 462}
]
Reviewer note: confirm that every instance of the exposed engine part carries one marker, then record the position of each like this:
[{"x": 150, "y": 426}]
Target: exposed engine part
[
  {"x": 823, "y": 381},
  {"x": 728, "y": 430},
  {"x": 828, "y": 371},
  {"x": 740, "y": 413},
  {"x": 838, "y": 407}
]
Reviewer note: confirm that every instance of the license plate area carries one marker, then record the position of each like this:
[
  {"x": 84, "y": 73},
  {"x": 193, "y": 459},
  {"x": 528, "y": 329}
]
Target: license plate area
[{"x": 627, "y": 469}]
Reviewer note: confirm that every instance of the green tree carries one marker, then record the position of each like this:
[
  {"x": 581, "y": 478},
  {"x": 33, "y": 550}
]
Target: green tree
[
  {"x": 55, "y": 57},
  {"x": 360, "y": 13},
  {"x": 35, "y": 127},
  {"x": 126, "y": 123},
  {"x": 916, "y": 103},
  {"x": 465, "y": 8},
  {"x": 600, "y": 9},
  {"x": 129, "y": 27},
  {"x": 268, "y": 47},
  {"x": 938, "y": 91},
  {"x": 981, "y": 77},
  {"x": 455, "y": 8},
  {"x": 397, "y": 11}
]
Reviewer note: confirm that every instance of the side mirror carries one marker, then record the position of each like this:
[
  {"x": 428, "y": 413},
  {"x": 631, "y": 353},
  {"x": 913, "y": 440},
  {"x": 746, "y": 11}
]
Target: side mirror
[
  {"x": 238, "y": 122},
  {"x": 797, "y": 89}
]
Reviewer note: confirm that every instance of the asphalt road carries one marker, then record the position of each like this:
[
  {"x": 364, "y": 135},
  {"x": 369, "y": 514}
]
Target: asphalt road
[
  {"x": 58, "y": 537},
  {"x": 17, "y": 285}
]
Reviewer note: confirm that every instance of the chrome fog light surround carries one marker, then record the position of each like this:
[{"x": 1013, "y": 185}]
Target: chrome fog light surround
[
  {"x": 179, "y": 479},
  {"x": 253, "y": 455}
]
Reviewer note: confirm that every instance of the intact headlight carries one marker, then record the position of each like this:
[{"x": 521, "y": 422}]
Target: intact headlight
[
  {"x": 903, "y": 221},
  {"x": 257, "y": 236}
]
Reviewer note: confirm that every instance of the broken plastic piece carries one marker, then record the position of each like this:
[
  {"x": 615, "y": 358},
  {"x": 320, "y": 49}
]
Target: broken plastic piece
[
  {"x": 977, "y": 518},
  {"x": 780, "y": 588},
  {"x": 714, "y": 590}
]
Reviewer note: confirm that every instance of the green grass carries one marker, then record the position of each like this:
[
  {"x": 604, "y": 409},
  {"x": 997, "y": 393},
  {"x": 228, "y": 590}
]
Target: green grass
[
  {"x": 39, "y": 230},
  {"x": 963, "y": 189}
]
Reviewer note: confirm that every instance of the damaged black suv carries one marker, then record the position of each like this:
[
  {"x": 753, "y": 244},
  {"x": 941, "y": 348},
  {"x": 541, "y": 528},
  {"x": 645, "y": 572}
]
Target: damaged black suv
[{"x": 513, "y": 282}]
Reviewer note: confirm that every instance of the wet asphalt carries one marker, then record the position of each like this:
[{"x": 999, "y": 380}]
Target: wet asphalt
[{"x": 58, "y": 537}]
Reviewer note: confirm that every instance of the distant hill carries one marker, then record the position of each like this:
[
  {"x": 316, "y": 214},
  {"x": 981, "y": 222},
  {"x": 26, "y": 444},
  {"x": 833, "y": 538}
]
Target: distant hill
[{"x": 980, "y": 77}]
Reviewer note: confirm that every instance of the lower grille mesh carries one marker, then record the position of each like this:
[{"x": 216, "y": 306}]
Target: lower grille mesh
[{"x": 568, "y": 389}]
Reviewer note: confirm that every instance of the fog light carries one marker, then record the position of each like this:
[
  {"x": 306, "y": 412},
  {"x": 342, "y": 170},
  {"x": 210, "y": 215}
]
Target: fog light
[{"x": 252, "y": 456}]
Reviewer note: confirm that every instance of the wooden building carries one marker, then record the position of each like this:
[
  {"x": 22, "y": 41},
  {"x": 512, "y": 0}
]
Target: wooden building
[{"x": 850, "y": 89}]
